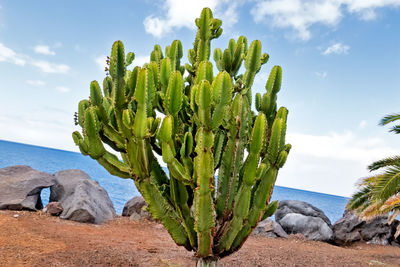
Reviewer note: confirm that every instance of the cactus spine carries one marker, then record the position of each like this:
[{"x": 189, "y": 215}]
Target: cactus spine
[{"x": 207, "y": 128}]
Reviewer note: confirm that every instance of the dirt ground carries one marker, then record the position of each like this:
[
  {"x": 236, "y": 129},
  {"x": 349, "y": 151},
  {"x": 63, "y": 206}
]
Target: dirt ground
[{"x": 35, "y": 239}]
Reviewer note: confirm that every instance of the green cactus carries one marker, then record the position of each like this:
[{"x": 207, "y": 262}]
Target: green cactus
[{"x": 207, "y": 130}]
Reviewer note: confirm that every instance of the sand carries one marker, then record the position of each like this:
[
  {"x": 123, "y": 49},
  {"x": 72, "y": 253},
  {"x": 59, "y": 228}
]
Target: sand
[{"x": 36, "y": 239}]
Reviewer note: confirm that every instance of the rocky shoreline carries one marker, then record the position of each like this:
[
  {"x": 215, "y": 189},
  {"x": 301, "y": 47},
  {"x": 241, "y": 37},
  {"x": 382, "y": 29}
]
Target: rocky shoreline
[{"x": 75, "y": 196}]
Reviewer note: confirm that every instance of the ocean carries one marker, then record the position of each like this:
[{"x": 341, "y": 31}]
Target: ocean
[{"x": 121, "y": 190}]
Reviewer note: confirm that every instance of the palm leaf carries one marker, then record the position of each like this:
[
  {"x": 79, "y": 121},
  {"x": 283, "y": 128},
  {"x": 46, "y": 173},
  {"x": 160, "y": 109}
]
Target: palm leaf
[
  {"x": 391, "y": 204},
  {"x": 360, "y": 198},
  {"x": 390, "y": 161},
  {"x": 389, "y": 118},
  {"x": 395, "y": 129},
  {"x": 388, "y": 184}
]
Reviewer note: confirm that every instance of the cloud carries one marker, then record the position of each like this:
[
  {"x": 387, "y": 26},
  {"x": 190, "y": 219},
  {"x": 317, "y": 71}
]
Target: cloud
[
  {"x": 341, "y": 146},
  {"x": 321, "y": 74},
  {"x": 63, "y": 89},
  {"x": 337, "y": 48},
  {"x": 44, "y": 128},
  {"x": 43, "y": 49},
  {"x": 362, "y": 124},
  {"x": 8, "y": 55},
  {"x": 331, "y": 163},
  {"x": 140, "y": 60},
  {"x": 36, "y": 82},
  {"x": 49, "y": 67},
  {"x": 182, "y": 13},
  {"x": 101, "y": 62},
  {"x": 300, "y": 15}
]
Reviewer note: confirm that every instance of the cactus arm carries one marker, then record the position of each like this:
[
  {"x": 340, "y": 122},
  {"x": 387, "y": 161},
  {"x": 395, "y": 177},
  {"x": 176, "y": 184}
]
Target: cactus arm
[
  {"x": 162, "y": 210},
  {"x": 232, "y": 156},
  {"x": 222, "y": 95},
  {"x": 180, "y": 197},
  {"x": 204, "y": 217},
  {"x": 242, "y": 201},
  {"x": 114, "y": 166},
  {"x": 272, "y": 207}
]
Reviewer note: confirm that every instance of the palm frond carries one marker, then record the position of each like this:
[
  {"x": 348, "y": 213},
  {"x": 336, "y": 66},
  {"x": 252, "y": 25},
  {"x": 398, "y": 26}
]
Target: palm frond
[
  {"x": 395, "y": 129},
  {"x": 388, "y": 184},
  {"x": 393, "y": 216},
  {"x": 384, "y": 163},
  {"x": 389, "y": 118},
  {"x": 371, "y": 211},
  {"x": 360, "y": 198},
  {"x": 391, "y": 204}
]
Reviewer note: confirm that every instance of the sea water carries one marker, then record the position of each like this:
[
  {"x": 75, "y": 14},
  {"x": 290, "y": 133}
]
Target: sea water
[{"x": 121, "y": 190}]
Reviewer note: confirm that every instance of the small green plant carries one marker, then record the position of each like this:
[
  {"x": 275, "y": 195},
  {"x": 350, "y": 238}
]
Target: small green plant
[{"x": 206, "y": 128}]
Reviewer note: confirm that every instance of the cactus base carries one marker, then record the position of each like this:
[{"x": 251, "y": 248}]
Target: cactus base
[{"x": 207, "y": 262}]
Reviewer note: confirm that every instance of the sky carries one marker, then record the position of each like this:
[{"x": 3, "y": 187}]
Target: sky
[{"x": 340, "y": 61}]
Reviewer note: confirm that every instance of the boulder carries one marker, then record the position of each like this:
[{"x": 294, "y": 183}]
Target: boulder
[
  {"x": 136, "y": 206},
  {"x": 350, "y": 228},
  {"x": 53, "y": 208},
  {"x": 313, "y": 228},
  {"x": 20, "y": 187},
  {"x": 299, "y": 217},
  {"x": 301, "y": 207},
  {"x": 269, "y": 228},
  {"x": 82, "y": 198}
]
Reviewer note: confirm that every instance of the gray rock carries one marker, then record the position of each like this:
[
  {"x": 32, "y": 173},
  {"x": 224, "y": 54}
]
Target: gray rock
[
  {"x": 20, "y": 187},
  {"x": 135, "y": 217},
  {"x": 313, "y": 228},
  {"x": 350, "y": 229},
  {"x": 53, "y": 208},
  {"x": 301, "y": 207},
  {"x": 82, "y": 198},
  {"x": 135, "y": 204},
  {"x": 269, "y": 228}
]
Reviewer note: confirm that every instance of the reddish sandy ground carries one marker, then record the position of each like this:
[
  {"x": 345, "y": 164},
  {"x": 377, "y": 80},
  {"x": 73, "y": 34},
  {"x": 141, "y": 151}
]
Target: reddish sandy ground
[{"x": 35, "y": 239}]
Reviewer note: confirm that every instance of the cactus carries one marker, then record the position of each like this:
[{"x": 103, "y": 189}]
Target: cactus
[{"x": 207, "y": 128}]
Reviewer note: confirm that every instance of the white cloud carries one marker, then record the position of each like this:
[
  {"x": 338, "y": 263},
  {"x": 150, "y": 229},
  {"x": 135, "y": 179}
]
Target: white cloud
[
  {"x": 49, "y": 67},
  {"x": 101, "y": 62},
  {"x": 36, "y": 82},
  {"x": 182, "y": 13},
  {"x": 331, "y": 163},
  {"x": 300, "y": 15},
  {"x": 337, "y": 48},
  {"x": 362, "y": 124},
  {"x": 48, "y": 129},
  {"x": 140, "y": 60},
  {"x": 321, "y": 74},
  {"x": 44, "y": 49},
  {"x": 8, "y": 55},
  {"x": 63, "y": 89}
]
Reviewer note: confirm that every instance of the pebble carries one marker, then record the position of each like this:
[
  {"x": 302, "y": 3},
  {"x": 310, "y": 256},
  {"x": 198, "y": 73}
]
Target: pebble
[{"x": 15, "y": 215}]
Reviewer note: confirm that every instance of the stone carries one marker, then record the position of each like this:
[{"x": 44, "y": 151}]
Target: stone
[
  {"x": 313, "y": 228},
  {"x": 299, "y": 217},
  {"x": 295, "y": 206},
  {"x": 350, "y": 228},
  {"x": 135, "y": 217},
  {"x": 53, "y": 208},
  {"x": 136, "y": 205},
  {"x": 20, "y": 187},
  {"x": 82, "y": 198},
  {"x": 269, "y": 228}
]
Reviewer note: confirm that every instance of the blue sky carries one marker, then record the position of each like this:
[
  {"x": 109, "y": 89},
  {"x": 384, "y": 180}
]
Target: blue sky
[{"x": 340, "y": 60}]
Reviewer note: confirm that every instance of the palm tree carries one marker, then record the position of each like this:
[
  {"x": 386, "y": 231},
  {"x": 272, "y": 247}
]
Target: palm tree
[{"x": 380, "y": 194}]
